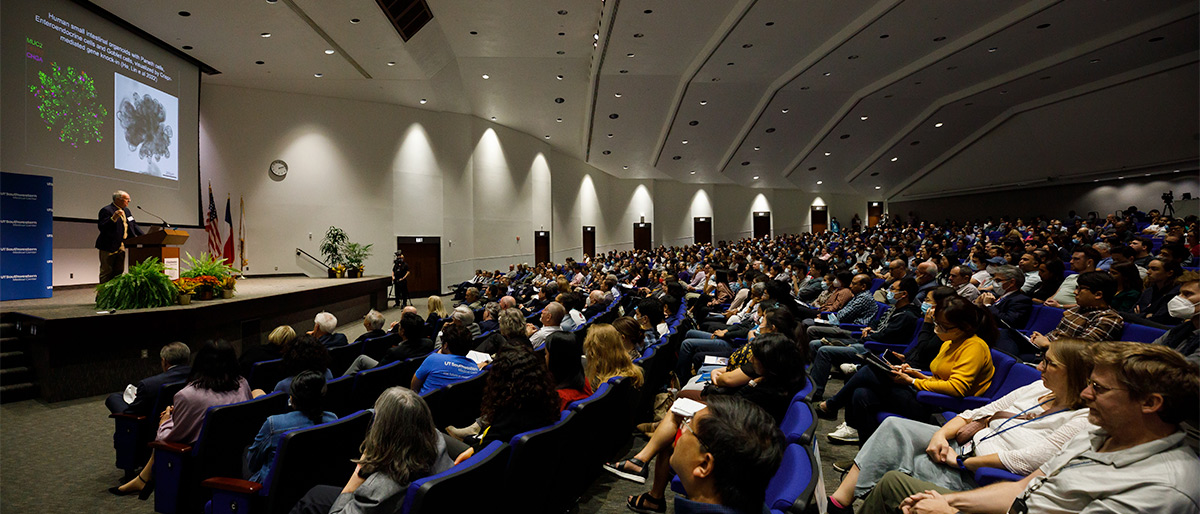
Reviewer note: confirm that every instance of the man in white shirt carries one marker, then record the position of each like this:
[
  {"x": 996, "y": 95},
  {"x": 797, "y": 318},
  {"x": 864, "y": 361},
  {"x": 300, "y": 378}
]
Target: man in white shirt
[{"x": 552, "y": 317}]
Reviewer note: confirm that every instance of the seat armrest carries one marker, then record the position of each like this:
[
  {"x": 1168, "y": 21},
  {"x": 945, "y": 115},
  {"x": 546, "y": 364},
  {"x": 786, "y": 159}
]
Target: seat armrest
[
  {"x": 877, "y": 346},
  {"x": 233, "y": 485},
  {"x": 171, "y": 447},
  {"x": 131, "y": 417}
]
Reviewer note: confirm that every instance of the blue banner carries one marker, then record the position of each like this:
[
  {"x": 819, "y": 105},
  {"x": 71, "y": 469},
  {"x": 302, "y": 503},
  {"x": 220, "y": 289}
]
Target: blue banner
[{"x": 26, "y": 232}]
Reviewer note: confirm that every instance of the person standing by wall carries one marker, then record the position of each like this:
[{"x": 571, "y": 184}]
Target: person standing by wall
[{"x": 400, "y": 272}]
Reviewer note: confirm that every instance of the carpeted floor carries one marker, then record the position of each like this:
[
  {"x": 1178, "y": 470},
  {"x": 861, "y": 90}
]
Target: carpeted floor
[{"x": 59, "y": 457}]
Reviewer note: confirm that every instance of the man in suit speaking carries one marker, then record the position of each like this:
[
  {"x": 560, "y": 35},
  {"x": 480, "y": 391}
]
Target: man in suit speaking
[{"x": 116, "y": 224}]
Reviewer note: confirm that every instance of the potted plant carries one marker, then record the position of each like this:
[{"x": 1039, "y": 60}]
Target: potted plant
[
  {"x": 331, "y": 248},
  {"x": 186, "y": 287},
  {"x": 145, "y": 285},
  {"x": 228, "y": 286},
  {"x": 355, "y": 254},
  {"x": 209, "y": 272}
]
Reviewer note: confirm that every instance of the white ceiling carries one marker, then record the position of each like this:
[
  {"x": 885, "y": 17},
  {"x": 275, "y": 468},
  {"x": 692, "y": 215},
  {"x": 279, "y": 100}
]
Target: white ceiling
[{"x": 1026, "y": 91}]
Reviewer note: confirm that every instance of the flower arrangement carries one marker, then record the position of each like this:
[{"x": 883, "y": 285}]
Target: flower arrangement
[
  {"x": 229, "y": 284},
  {"x": 186, "y": 285}
]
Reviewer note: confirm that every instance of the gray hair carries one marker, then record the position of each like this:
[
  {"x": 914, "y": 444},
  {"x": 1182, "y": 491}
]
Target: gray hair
[
  {"x": 473, "y": 291},
  {"x": 375, "y": 320},
  {"x": 118, "y": 194},
  {"x": 1010, "y": 272},
  {"x": 556, "y": 312},
  {"x": 463, "y": 315},
  {"x": 512, "y": 322},
  {"x": 1102, "y": 247},
  {"x": 493, "y": 309},
  {"x": 175, "y": 353},
  {"x": 326, "y": 322},
  {"x": 757, "y": 289},
  {"x": 402, "y": 441}
]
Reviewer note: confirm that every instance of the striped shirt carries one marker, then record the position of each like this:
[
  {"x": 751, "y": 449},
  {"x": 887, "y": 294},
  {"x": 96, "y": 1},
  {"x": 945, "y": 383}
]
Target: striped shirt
[{"x": 859, "y": 311}]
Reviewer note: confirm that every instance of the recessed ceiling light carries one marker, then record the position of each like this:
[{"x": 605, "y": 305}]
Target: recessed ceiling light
[
  {"x": 618, "y": 95},
  {"x": 819, "y": 182},
  {"x": 493, "y": 118},
  {"x": 562, "y": 12},
  {"x": 1093, "y": 61},
  {"x": 827, "y": 154},
  {"x": 558, "y": 120},
  {"x": 624, "y": 167},
  {"x": 318, "y": 75},
  {"x": 624, "y": 71},
  {"x": 628, "y": 55},
  {"x": 559, "y": 77},
  {"x": 745, "y": 163},
  {"x": 185, "y": 14},
  {"x": 864, "y": 118},
  {"x": 485, "y": 76},
  {"x": 559, "y": 100},
  {"x": 938, "y": 125},
  {"x": 769, "y": 23},
  {"x": 894, "y": 159},
  {"x": 703, "y": 102},
  {"x": 259, "y": 62},
  {"x": 474, "y": 33},
  {"x": 844, "y": 136},
  {"x": 940, "y": 38},
  {"x": 875, "y": 174},
  {"x": 562, "y": 33},
  {"x": 607, "y": 152},
  {"x": 648, "y": 11},
  {"x": 1095, "y": 180},
  {"x": 560, "y": 52},
  {"x": 424, "y": 101},
  {"x": 757, "y": 148},
  {"x": 812, "y": 168},
  {"x": 828, "y": 73},
  {"x": 391, "y": 63},
  {"x": 756, "y": 177},
  {"x": 614, "y": 116},
  {"x": 1120, "y": 178},
  {"x": 883, "y": 36},
  {"x": 354, "y": 20},
  {"x": 596, "y": 36},
  {"x": 852, "y": 57},
  {"x": 770, "y": 130},
  {"x": 693, "y": 172},
  {"x": 1176, "y": 171},
  {"x": 729, "y": 64},
  {"x": 328, "y": 51},
  {"x": 1044, "y": 25},
  {"x": 748, "y": 45},
  {"x": 186, "y": 47},
  {"x": 785, "y": 111},
  {"x": 1147, "y": 174},
  {"x": 693, "y": 123},
  {"x": 1156, "y": 39},
  {"x": 676, "y": 158},
  {"x": 878, "y": 187},
  {"x": 639, "y": 34},
  {"x": 992, "y": 49},
  {"x": 610, "y": 135},
  {"x": 547, "y": 136},
  {"x": 265, "y": 34},
  {"x": 685, "y": 141}
]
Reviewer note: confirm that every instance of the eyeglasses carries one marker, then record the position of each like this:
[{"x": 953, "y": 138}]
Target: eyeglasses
[
  {"x": 687, "y": 425},
  {"x": 1099, "y": 389},
  {"x": 942, "y": 327}
]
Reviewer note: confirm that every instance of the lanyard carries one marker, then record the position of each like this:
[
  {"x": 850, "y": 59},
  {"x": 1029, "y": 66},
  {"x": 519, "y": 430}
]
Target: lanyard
[{"x": 1001, "y": 429}]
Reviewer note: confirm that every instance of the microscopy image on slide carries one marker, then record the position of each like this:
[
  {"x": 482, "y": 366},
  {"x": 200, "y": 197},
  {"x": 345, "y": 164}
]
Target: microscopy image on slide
[
  {"x": 66, "y": 102},
  {"x": 147, "y": 121}
]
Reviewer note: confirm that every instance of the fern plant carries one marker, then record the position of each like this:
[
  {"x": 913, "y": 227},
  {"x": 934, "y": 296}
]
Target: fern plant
[
  {"x": 145, "y": 285},
  {"x": 206, "y": 264}
]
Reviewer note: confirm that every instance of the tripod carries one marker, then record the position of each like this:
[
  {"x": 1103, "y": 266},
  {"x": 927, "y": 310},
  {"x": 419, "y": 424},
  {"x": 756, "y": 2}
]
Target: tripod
[{"x": 1168, "y": 209}]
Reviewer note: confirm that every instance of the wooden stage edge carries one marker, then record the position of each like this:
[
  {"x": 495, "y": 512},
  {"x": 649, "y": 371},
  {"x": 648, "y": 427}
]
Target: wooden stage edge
[{"x": 76, "y": 352}]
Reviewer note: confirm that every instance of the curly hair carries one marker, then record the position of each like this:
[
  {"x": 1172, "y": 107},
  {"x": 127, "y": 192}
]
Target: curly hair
[
  {"x": 606, "y": 356},
  {"x": 305, "y": 353},
  {"x": 519, "y": 383}
]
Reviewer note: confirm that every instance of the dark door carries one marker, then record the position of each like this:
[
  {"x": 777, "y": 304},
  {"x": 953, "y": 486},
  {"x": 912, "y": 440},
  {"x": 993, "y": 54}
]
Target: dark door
[
  {"x": 820, "y": 219},
  {"x": 641, "y": 236},
  {"x": 762, "y": 224},
  {"x": 702, "y": 230},
  {"x": 424, "y": 258},
  {"x": 589, "y": 241},
  {"x": 874, "y": 212},
  {"x": 541, "y": 246}
]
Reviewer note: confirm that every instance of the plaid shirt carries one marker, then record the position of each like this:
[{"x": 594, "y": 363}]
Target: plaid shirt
[
  {"x": 1089, "y": 324},
  {"x": 860, "y": 310}
]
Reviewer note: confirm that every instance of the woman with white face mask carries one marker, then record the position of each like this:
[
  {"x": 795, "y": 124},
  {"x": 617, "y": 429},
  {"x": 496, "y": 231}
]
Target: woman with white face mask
[{"x": 1185, "y": 307}]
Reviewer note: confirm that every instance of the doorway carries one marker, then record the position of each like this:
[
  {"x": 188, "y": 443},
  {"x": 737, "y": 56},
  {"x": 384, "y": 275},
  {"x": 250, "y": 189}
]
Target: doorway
[
  {"x": 589, "y": 241},
  {"x": 874, "y": 212},
  {"x": 820, "y": 219},
  {"x": 762, "y": 224},
  {"x": 424, "y": 258},
  {"x": 702, "y": 230},
  {"x": 541, "y": 246},
  {"x": 641, "y": 236}
]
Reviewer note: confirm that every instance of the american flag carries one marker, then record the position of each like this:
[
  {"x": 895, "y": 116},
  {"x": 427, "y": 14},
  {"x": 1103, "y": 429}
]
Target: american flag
[
  {"x": 210, "y": 225},
  {"x": 227, "y": 252}
]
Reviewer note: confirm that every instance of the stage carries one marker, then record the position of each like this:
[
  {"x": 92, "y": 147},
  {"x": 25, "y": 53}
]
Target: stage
[{"x": 74, "y": 351}]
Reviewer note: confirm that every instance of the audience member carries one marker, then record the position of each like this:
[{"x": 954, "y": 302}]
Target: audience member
[
  {"x": 306, "y": 395},
  {"x": 564, "y": 359},
  {"x": 552, "y": 317},
  {"x": 1083, "y": 260},
  {"x": 607, "y": 358},
  {"x": 324, "y": 325},
  {"x": 1161, "y": 287},
  {"x": 1011, "y": 308},
  {"x": 373, "y": 322},
  {"x": 436, "y": 310},
  {"x": 519, "y": 396},
  {"x": 173, "y": 359},
  {"x": 304, "y": 354},
  {"x": 448, "y": 365},
  {"x": 1129, "y": 286},
  {"x": 1185, "y": 308},
  {"x": 277, "y": 341},
  {"x": 412, "y": 344},
  {"x": 1092, "y": 319},
  {"x": 960, "y": 280}
]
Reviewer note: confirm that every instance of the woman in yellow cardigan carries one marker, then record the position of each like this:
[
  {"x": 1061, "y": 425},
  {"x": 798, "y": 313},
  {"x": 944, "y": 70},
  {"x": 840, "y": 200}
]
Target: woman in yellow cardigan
[{"x": 963, "y": 367}]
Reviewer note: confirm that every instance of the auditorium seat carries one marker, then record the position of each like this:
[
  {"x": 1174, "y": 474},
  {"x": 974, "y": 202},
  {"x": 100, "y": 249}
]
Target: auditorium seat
[
  {"x": 375, "y": 347},
  {"x": 265, "y": 374},
  {"x": 370, "y": 383},
  {"x": 1140, "y": 333},
  {"x": 876, "y": 284},
  {"x": 474, "y": 485},
  {"x": 792, "y": 488},
  {"x": 131, "y": 433},
  {"x": 342, "y": 357},
  {"x": 1043, "y": 319},
  {"x": 606, "y": 420},
  {"x": 986, "y": 476},
  {"x": 227, "y": 431},
  {"x": 799, "y": 423},
  {"x": 1003, "y": 382},
  {"x": 317, "y": 455},
  {"x": 339, "y": 395},
  {"x": 457, "y": 404},
  {"x": 532, "y": 478},
  {"x": 878, "y": 347}
]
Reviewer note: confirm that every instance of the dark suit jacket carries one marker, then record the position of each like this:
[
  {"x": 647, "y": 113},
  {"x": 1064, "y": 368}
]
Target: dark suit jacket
[
  {"x": 595, "y": 309},
  {"x": 488, "y": 325},
  {"x": 147, "y": 389},
  {"x": 1014, "y": 310},
  {"x": 111, "y": 231},
  {"x": 371, "y": 335},
  {"x": 334, "y": 340},
  {"x": 407, "y": 350}
]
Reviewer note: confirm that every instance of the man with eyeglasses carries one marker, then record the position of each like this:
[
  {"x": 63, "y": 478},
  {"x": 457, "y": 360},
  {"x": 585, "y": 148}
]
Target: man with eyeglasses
[
  {"x": 960, "y": 280},
  {"x": 1092, "y": 319},
  {"x": 1136, "y": 460},
  {"x": 1083, "y": 260}
]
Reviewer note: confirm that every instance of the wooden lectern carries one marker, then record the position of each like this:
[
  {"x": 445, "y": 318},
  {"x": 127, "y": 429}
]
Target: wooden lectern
[{"x": 161, "y": 244}]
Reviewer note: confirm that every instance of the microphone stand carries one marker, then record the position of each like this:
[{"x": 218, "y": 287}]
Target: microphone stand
[{"x": 160, "y": 218}]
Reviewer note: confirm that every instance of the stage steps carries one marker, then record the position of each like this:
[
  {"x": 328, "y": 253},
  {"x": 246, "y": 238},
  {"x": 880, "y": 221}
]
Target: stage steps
[{"x": 16, "y": 376}]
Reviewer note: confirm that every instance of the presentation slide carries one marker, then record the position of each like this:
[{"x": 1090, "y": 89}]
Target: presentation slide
[{"x": 99, "y": 109}]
